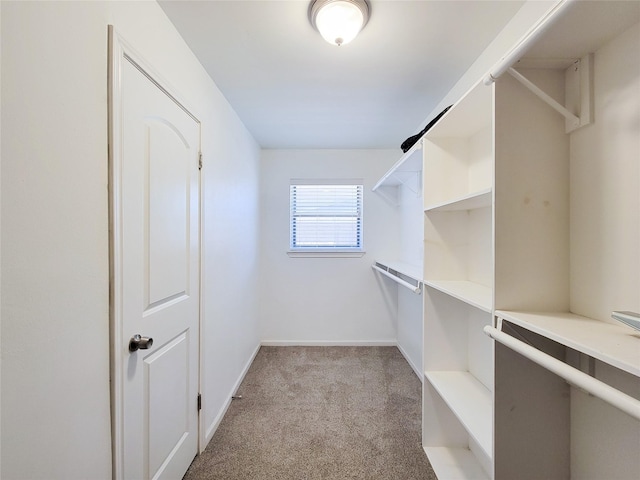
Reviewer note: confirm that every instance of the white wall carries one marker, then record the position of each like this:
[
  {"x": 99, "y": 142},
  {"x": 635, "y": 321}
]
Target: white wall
[
  {"x": 55, "y": 264},
  {"x": 55, "y": 370},
  {"x": 605, "y": 218},
  {"x": 411, "y": 211},
  {"x": 605, "y": 187},
  {"x": 0, "y": 244},
  {"x": 326, "y": 300}
]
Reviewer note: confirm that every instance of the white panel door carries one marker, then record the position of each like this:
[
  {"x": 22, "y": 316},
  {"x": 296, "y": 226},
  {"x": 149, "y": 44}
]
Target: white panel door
[{"x": 156, "y": 212}]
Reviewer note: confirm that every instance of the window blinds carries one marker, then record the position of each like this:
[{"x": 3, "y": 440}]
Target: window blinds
[{"x": 326, "y": 216}]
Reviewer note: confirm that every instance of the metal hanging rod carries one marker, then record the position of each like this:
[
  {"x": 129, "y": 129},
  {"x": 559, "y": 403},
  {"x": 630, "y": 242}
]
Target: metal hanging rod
[
  {"x": 414, "y": 288},
  {"x": 527, "y": 41},
  {"x": 573, "y": 376}
]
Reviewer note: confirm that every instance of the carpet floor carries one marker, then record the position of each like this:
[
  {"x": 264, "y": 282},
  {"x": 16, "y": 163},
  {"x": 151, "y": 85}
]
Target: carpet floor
[{"x": 330, "y": 413}]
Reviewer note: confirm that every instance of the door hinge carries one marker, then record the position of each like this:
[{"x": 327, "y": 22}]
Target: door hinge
[
  {"x": 199, "y": 401},
  {"x": 200, "y": 161}
]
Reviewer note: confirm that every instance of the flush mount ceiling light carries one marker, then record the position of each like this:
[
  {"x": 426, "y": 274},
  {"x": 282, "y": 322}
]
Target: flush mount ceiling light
[{"x": 339, "y": 21}]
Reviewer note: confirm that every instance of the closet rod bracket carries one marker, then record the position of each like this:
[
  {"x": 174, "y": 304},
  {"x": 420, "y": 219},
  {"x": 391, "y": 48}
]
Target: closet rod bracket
[{"x": 578, "y": 93}]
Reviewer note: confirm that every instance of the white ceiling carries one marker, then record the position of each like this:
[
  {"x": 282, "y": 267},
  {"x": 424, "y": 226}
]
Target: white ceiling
[{"x": 293, "y": 90}]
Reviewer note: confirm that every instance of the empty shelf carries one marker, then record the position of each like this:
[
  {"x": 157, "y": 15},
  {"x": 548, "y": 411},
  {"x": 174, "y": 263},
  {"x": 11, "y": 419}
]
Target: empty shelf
[
  {"x": 455, "y": 463},
  {"x": 472, "y": 201},
  {"x": 470, "y": 401},
  {"x": 474, "y": 294}
]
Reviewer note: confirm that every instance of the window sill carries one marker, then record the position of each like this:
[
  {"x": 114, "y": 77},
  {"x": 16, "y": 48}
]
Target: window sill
[{"x": 325, "y": 253}]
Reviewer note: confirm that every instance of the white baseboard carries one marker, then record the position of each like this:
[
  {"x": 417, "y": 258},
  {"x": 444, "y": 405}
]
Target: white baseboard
[
  {"x": 331, "y": 343},
  {"x": 413, "y": 366},
  {"x": 216, "y": 422},
  {"x": 328, "y": 343}
]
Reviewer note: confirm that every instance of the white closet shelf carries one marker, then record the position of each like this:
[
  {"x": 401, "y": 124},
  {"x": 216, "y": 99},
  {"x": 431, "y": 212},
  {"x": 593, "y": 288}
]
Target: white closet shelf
[
  {"x": 409, "y": 163},
  {"x": 474, "y": 294},
  {"x": 470, "y": 401},
  {"x": 472, "y": 201},
  {"x": 454, "y": 463},
  {"x": 616, "y": 345}
]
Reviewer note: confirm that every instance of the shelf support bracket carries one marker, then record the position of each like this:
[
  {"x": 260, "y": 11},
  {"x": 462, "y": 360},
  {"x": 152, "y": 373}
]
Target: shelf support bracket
[
  {"x": 408, "y": 181},
  {"x": 578, "y": 85},
  {"x": 579, "y": 90},
  {"x": 389, "y": 194},
  {"x": 543, "y": 96}
]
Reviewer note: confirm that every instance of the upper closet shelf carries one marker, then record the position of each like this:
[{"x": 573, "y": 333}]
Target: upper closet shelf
[
  {"x": 616, "y": 345},
  {"x": 480, "y": 199},
  {"x": 404, "y": 170}
]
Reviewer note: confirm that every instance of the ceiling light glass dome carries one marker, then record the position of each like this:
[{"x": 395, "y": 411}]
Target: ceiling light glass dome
[{"x": 339, "y": 21}]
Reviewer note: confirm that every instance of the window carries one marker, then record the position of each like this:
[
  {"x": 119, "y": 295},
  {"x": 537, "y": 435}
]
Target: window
[{"x": 326, "y": 217}]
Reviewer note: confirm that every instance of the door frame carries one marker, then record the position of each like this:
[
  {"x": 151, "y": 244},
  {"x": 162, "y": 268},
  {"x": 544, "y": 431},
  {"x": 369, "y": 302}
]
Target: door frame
[{"x": 119, "y": 51}]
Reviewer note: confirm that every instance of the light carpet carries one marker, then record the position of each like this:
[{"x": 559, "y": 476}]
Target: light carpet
[{"x": 321, "y": 413}]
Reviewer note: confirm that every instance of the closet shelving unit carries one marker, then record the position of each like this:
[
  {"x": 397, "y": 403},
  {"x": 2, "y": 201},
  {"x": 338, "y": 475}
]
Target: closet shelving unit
[
  {"x": 531, "y": 238},
  {"x": 532, "y": 231},
  {"x": 567, "y": 250},
  {"x": 458, "y": 273}
]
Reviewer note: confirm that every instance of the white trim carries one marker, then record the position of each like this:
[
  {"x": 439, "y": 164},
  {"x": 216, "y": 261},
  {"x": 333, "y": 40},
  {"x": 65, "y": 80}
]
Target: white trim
[
  {"x": 318, "y": 253},
  {"x": 414, "y": 367},
  {"x": 202, "y": 440},
  {"x": 327, "y": 181},
  {"x": 345, "y": 343},
  {"x": 328, "y": 343},
  {"x": 116, "y": 54},
  {"x": 216, "y": 422}
]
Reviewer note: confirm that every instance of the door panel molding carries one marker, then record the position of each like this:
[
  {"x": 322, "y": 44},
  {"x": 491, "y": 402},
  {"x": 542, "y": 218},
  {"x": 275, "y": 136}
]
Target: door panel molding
[{"x": 166, "y": 441}]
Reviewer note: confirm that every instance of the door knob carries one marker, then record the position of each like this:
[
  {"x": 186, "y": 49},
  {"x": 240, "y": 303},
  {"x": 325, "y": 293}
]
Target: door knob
[{"x": 139, "y": 342}]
